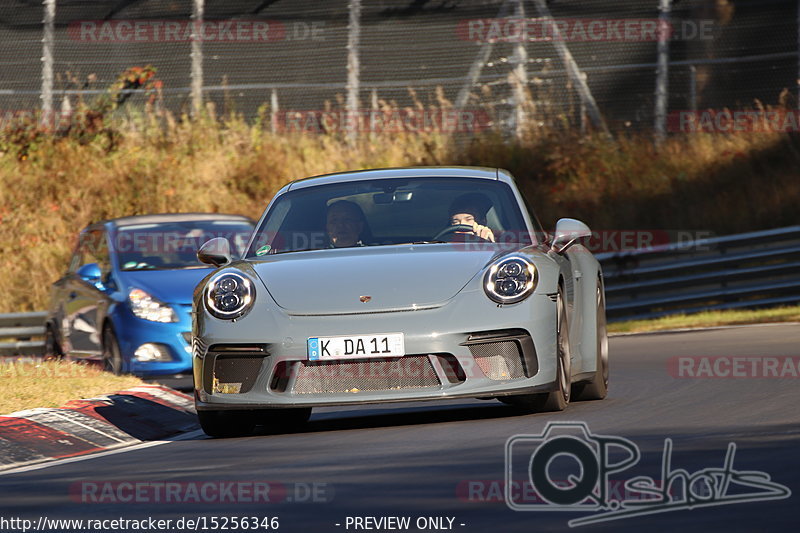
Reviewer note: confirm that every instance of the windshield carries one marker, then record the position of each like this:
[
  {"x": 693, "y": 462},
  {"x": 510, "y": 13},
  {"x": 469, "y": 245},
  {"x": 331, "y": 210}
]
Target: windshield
[
  {"x": 391, "y": 211},
  {"x": 173, "y": 245}
]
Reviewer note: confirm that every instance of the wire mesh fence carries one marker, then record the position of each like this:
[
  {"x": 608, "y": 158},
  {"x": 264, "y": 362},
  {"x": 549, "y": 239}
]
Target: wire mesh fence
[{"x": 456, "y": 65}]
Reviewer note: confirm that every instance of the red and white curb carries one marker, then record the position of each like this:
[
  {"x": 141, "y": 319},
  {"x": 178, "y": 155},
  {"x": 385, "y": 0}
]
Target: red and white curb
[{"x": 81, "y": 427}]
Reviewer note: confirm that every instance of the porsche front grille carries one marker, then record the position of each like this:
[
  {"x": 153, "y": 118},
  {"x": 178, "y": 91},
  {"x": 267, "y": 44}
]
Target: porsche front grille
[
  {"x": 499, "y": 360},
  {"x": 409, "y": 372}
]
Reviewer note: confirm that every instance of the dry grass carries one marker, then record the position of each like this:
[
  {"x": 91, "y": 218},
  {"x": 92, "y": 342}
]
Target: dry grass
[
  {"x": 157, "y": 163},
  {"x": 214, "y": 166},
  {"x": 54, "y": 383},
  {"x": 707, "y": 319}
]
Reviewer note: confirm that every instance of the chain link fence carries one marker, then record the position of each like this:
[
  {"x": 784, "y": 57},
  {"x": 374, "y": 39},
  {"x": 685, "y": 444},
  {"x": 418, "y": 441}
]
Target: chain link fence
[{"x": 456, "y": 65}]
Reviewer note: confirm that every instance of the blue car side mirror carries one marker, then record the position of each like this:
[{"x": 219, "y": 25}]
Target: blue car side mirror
[{"x": 90, "y": 273}]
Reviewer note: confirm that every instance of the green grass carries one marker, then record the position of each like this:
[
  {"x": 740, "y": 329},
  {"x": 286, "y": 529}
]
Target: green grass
[
  {"x": 709, "y": 319},
  {"x": 28, "y": 385}
]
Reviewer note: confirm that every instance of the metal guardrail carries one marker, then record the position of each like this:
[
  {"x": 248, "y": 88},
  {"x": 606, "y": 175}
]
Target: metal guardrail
[
  {"x": 748, "y": 270},
  {"x": 22, "y": 333}
]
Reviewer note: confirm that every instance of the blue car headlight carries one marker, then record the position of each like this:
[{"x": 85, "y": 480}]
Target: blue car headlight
[
  {"x": 229, "y": 295},
  {"x": 148, "y": 307},
  {"x": 510, "y": 280}
]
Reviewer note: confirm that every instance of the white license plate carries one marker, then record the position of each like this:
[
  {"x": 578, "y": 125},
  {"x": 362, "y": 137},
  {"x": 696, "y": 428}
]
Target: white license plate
[{"x": 356, "y": 346}]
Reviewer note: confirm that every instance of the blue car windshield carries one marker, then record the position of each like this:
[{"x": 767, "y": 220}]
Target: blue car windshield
[
  {"x": 174, "y": 245},
  {"x": 389, "y": 212}
]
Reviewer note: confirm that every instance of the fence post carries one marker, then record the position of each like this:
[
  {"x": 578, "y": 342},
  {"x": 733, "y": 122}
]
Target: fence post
[
  {"x": 584, "y": 118},
  {"x": 48, "y": 43},
  {"x": 273, "y": 107},
  {"x": 353, "y": 68},
  {"x": 662, "y": 71},
  {"x": 520, "y": 73},
  {"x": 198, "y": 7},
  {"x": 373, "y": 112}
]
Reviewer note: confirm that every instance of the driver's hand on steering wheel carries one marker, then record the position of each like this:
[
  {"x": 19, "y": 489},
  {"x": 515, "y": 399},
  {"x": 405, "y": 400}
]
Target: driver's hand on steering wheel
[{"x": 481, "y": 231}]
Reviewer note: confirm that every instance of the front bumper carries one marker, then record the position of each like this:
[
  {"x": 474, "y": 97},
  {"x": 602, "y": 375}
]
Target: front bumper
[
  {"x": 467, "y": 348},
  {"x": 173, "y": 337}
]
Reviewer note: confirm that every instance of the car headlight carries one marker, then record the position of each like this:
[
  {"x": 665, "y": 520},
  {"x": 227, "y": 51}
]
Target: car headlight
[
  {"x": 510, "y": 280},
  {"x": 150, "y": 308},
  {"x": 229, "y": 295}
]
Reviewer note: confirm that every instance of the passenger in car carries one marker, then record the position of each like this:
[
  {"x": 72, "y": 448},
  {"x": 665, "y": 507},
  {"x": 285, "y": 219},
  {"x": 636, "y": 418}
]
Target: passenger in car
[
  {"x": 470, "y": 209},
  {"x": 346, "y": 224}
]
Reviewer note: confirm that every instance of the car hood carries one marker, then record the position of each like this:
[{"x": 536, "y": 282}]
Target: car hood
[
  {"x": 169, "y": 286},
  {"x": 404, "y": 277}
]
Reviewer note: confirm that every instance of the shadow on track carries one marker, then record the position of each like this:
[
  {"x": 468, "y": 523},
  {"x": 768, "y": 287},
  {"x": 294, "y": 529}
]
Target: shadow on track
[{"x": 343, "y": 420}]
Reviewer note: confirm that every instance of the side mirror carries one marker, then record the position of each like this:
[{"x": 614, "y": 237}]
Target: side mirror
[
  {"x": 90, "y": 273},
  {"x": 216, "y": 252},
  {"x": 568, "y": 231}
]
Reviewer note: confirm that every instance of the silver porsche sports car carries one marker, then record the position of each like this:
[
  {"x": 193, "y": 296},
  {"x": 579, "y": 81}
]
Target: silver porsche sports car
[{"x": 393, "y": 285}]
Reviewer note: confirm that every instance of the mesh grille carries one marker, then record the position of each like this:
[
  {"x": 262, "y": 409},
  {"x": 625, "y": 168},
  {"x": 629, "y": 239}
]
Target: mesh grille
[
  {"x": 234, "y": 375},
  {"x": 410, "y": 372},
  {"x": 499, "y": 360}
]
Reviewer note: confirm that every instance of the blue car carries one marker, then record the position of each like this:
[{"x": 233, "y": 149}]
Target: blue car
[{"x": 126, "y": 297}]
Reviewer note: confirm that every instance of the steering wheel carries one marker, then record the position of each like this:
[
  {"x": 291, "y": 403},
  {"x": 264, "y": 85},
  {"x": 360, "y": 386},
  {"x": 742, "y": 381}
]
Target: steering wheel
[{"x": 458, "y": 228}]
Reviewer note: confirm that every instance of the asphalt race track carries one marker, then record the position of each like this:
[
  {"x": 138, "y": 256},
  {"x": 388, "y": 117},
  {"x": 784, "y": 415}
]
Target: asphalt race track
[{"x": 447, "y": 460}]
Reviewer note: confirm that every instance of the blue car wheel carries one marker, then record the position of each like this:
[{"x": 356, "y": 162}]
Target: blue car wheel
[{"x": 112, "y": 357}]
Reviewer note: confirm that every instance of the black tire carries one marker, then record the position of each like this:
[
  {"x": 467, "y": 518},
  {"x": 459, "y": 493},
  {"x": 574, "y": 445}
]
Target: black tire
[
  {"x": 225, "y": 424},
  {"x": 112, "y": 357},
  {"x": 558, "y": 399},
  {"x": 52, "y": 349},
  {"x": 597, "y": 389},
  {"x": 279, "y": 420}
]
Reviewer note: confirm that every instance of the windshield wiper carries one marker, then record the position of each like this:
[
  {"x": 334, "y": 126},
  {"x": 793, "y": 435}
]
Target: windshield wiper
[{"x": 291, "y": 251}]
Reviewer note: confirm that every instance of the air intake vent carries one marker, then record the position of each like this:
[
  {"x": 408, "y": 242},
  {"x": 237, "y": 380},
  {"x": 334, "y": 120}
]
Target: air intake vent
[
  {"x": 235, "y": 374},
  {"x": 409, "y": 372},
  {"x": 499, "y": 360}
]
